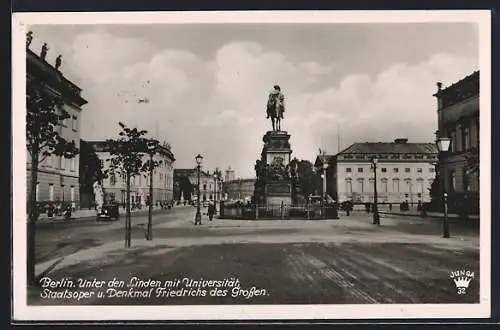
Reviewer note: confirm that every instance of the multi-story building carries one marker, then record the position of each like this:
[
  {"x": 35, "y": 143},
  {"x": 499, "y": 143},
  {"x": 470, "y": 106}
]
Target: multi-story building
[
  {"x": 239, "y": 189},
  {"x": 405, "y": 172},
  {"x": 114, "y": 185},
  {"x": 458, "y": 119},
  {"x": 57, "y": 176},
  {"x": 210, "y": 184}
]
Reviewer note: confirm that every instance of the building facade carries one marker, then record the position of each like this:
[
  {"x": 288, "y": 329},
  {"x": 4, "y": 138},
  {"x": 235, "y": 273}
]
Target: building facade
[
  {"x": 239, "y": 189},
  {"x": 405, "y": 172},
  {"x": 58, "y": 177},
  {"x": 458, "y": 119},
  {"x": 114, "y": 185},
  {"x": 210, "y": 185}
]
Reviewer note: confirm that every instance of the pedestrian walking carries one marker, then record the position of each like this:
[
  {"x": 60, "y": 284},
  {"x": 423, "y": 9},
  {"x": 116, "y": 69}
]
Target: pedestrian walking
[{"x": 211, "y": 210}]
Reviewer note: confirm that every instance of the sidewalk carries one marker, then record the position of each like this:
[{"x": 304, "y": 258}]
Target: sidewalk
[
  {"x": 82, "y": 214},
  {"x": 429, "y": 214}
]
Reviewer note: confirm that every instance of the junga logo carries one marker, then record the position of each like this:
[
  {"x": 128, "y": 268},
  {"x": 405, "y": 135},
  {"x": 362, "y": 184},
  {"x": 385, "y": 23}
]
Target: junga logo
[{"x": 462, "y": 279}]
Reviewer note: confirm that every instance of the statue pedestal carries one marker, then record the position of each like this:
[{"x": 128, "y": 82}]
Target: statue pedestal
[{"x": 274, "y": 185}]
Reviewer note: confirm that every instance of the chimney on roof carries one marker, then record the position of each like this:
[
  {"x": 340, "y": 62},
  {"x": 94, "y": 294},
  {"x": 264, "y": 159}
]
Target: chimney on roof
[
  {"x": 400, "y": 141},
  {"x": 439, "y": 85}
]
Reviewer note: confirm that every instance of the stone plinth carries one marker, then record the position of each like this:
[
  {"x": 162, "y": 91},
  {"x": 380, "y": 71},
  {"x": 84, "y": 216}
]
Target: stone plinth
[{"x": 274, "y": 185}]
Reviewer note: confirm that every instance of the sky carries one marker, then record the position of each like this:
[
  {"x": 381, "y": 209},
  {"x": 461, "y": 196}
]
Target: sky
[{"x": 207, "y": 84}]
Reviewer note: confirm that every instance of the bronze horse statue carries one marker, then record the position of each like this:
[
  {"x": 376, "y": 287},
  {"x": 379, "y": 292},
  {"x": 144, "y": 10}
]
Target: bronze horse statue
[{"x": 276, "y": 107}]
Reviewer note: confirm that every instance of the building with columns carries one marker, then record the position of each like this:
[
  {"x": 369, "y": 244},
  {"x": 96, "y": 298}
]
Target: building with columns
[
  {"x": 58, "y": 177},
  {"x": 458, "y": 119},
  {"x": 210, "y": 184},
  {"x": 405, "y": 172},
  {"x": 114, "y": 186}
]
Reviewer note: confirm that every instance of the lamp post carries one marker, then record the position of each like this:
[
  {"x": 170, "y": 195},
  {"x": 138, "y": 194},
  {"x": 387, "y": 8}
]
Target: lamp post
[
  {"x": 197, "y": 219},
  {"x": 443, "y": 144},
  {"x": 215, "y": 188},
  {"x": 376, "y": 216},
  {"x": 323, "y": 200},
  {"x": 151, "y": 148}
]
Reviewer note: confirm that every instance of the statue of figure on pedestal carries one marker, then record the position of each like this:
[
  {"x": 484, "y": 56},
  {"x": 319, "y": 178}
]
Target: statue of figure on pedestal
[
  {"x": 98, "y": 196},
  {"x": 29, "y": 38},
  {"x": 58, "y": 62},
  {"x": 276, "y": 107},
  {"x": 44, "y": 51},
  {"x": 278, "y": 169}
]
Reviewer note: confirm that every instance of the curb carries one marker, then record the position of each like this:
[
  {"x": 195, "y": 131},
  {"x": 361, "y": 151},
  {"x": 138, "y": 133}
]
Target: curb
[
  {"x": 437, "y": 216},
  {"x": 89, "y": 218}
]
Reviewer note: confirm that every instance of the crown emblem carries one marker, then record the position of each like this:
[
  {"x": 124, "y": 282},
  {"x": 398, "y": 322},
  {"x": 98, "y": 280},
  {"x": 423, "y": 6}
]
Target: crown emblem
[{"x": 462, "y": 282}]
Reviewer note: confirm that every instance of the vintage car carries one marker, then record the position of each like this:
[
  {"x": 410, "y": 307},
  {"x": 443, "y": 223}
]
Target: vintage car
[{"x": 109, "y": 211}]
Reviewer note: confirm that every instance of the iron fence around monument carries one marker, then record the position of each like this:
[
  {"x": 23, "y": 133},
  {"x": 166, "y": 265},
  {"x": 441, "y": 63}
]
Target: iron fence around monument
[{"x": 277, "y": 211}]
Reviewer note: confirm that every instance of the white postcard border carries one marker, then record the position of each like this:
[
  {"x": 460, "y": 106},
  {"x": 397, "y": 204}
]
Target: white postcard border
[{"x": 23, "y": 312}]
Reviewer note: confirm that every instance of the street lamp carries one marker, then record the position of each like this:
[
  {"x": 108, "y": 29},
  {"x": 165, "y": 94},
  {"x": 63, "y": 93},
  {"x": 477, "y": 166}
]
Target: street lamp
[
  {"x": 325, "y": 167},
  {"x": 376, "y": 216},
  {"x": 215, "y": 188},
  {"x": 443, "y": 144},
  {"x": 152, "y": 149},
  {"x": 197, "y": 219}
]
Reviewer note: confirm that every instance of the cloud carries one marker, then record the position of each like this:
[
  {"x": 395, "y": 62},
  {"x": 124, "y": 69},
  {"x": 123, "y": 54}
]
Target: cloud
[{"x": 216, "y": 105}]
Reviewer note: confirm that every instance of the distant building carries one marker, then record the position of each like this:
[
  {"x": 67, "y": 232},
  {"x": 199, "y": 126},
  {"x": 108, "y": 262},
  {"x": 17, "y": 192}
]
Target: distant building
[
  {"x": 405, "y": 172},
  {"x": 229, "y": 174},
  {"x": 458, "y": 119},
  {"x": 210, "y": 185},
  {"x": 163, "y": 178},
  {"x": 58, "y": 176},
  {"x": 239, "y": 189}
]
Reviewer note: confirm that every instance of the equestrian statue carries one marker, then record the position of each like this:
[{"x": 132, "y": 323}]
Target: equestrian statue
[{"x": 276, "y": 107}]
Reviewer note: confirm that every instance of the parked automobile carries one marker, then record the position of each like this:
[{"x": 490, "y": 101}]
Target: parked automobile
[{"x": 109, "y": 211}]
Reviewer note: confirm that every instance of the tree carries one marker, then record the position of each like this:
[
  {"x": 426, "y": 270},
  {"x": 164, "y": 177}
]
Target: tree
[
  {"x": 44, "y": 113},
  {"x": 435, "y": 193},
  {"x": 91, "y": 168},
  {"x": 152, "y": 146},
  {"x": 310, "y": 181},
  {"x": 184, "y": 187},
  {"x": 126, "y": 159}
]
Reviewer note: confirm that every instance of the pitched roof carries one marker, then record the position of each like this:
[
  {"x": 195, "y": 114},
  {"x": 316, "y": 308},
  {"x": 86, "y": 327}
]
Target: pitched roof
[{"x": 390, "y": 148}]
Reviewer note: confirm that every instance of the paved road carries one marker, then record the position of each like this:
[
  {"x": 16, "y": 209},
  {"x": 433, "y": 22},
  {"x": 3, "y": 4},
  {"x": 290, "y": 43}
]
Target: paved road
[
  {"x": 405, "y": 260},
  {"x": 62, "y": 238}
]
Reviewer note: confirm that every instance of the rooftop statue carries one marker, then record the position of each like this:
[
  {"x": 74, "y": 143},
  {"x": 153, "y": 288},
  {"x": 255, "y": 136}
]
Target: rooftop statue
[
  {"x": 58, "y": 62},
  {"x": 44, "y": 51},
  {"x": 29, "y": 38}
]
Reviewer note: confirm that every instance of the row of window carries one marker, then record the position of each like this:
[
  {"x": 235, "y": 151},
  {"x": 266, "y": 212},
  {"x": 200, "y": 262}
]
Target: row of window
[
  {"x": 384, "y": 186},
  {"x": 61, "y": 163},
  {"x": 394, "y": 170},
  {"x": 51, "y": 193},
  {"x": 165, "y": 180},
  {"x": 393, "y": 156}
]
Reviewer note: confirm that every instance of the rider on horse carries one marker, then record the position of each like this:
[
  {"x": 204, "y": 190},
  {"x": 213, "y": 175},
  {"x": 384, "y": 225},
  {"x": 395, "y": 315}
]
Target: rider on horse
[{"x": 276, "y": 101}]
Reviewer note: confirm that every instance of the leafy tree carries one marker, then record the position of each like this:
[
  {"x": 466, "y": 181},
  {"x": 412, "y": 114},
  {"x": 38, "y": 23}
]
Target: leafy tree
[
  {"x": 308, "y": 178},
  {"x": 186, "y": 188},
  {"x": 152, "y": 146},
  {"x": 126, "y": 159},
  {"x": 91, "y": 168},
  {"x": 44, "y": 113}
]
